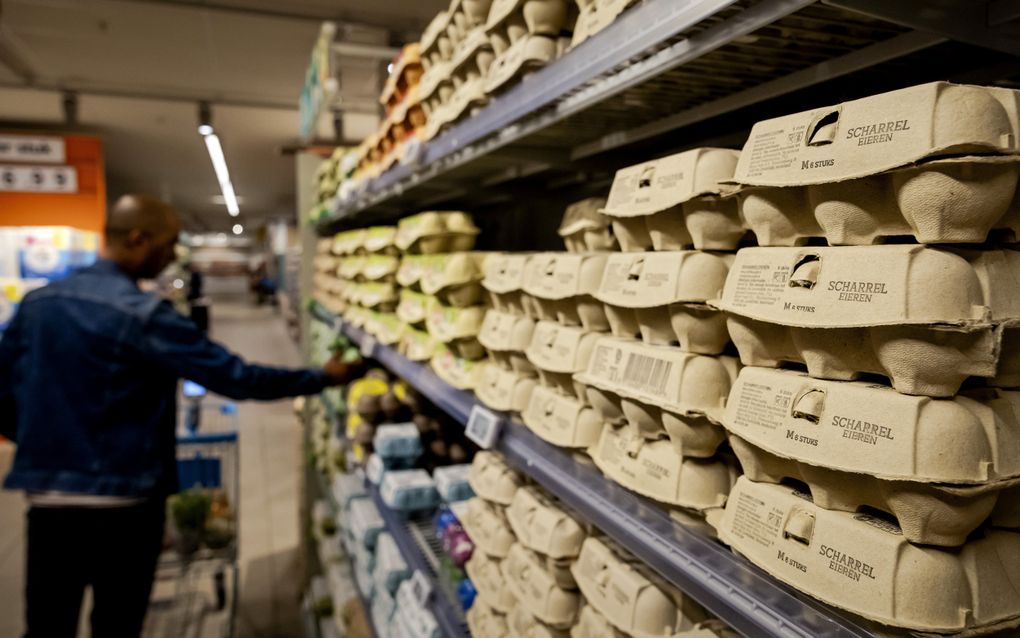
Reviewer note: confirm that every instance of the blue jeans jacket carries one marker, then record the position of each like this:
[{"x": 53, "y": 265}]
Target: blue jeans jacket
[{"x": 88, "y": 384}]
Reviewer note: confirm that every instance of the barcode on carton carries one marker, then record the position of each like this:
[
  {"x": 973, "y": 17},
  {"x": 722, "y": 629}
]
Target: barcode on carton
[{"x": 647, "y": 374}]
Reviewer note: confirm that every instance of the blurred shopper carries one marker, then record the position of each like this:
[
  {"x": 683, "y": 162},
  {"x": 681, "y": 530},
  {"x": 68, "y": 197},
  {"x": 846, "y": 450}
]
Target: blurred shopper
[{"x": 89, "y": 369}]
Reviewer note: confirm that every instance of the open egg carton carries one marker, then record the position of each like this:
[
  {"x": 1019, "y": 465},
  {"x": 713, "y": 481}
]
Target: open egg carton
[{"x": 526, "y": 35}]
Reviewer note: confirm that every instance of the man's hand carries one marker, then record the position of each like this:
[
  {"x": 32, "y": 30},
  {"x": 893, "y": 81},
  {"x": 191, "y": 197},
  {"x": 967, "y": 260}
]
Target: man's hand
[{"x": 342, "y": 372}]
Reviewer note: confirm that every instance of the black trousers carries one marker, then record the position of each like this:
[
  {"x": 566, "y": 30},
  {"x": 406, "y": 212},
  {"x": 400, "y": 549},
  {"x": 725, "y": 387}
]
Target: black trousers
[{"x": 112, "y": 550}]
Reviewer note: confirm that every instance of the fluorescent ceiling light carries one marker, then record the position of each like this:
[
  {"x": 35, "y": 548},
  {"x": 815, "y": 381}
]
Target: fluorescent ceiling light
[
  {"x": 219, "y": 162},
  {"x": 389, "y": 68},
  {"x": 204, "y": 129},
  {"x": 238, "y": 229}
]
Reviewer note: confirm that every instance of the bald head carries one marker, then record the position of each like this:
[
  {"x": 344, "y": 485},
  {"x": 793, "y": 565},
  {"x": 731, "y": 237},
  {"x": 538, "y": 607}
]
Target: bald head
[{"x": 141, "y": 232}]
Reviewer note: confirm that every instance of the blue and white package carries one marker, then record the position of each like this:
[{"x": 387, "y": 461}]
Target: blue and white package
[
  {"x": 48, "y": 252},
  {"x": 415, "y": 621},
  {"x": 365, "y": 522},
  {"x": 466, "y": 593},
  {"x": 382, "y": 610},
  {"x": 397, "y": 443},
  {"x": 452, "y": 482},
  {"x": 375, "y": 469},
  {"x": 409, "y": 490},
  {"x": 390, "y": 567},
  {"x": 363, "y": 576}
]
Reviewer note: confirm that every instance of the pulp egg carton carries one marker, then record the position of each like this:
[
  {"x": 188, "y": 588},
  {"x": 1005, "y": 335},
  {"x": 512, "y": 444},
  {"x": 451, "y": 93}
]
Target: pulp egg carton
[
  {"x": 485, "y": 621},
  {"x": 561, "y": 419},
  {"x": 492, "y": 479},
  {"x": 936, "y": 162},
  {"x": 348, "y": 487},
  {"x": 380, "y": 296},
  {"x": 653, "y": 468},
  {"x": 397, "y": 443},
  {"x": 435, "y": 44},
  {"x": 380, "y": 268},
  {"x": 564, "y": 287},
  {"x": 484, "y": 571},
  {"x": 537, "y": 591},
  {"x": 467, "y": 71},
  {"x": 661, "y": 297},
  {"x": 410, "y": 271},
  {"x": 590, "y": 623},
  {"x": 436, "y": 91},
  {"x": 541, "y": 525},
  {"x": 436, "y": 232},
  {"x": 454, "y": 278},
  {"x": 406, "y": 73},
  {"x": 865, "y": 565},
  {"x": 521, "y": 624},
  {"x": 350, "y": 267},
  {"x": 972, "y": 438},
  {"x": 488, "y": 528},
  {"x": 409, "y": 491},
  {"x": 658, "y": 388},
  {"x": 586, "y": 229},
  {"x": 418, "y": 345},
  {"x": 557, "y": 352},
  {"x": 413, "y": 307},
  {"x": 457, "y": 328},
  {"x": 349, "y": 242},
  {"x": 525, "y": 36},
  {"x": 386, "y": 327},
  {"x": 452, "y": 482},
  {"x": 926, "y": 318},
  {"x": 506, "y": 336},
  {"x": 504, "y": 390},
  {"x": 504, "y": 279},
  {"x": 364, "y": 522},
  {"x": 380, "y": 240},
  {"x": 595, "y": 16},
  {"x": 390, "y": 567},
  {"x": 676, "y": 202},
  {"x": 629, "y": 595},
  {"x": 462, "y": 374},
  {"x": 927, "y": 513}
]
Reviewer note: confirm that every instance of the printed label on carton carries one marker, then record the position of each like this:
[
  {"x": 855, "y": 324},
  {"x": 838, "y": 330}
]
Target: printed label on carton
[
  {"x": 557, "y": 348},
  {"x": 650, "y": 187},
  {"x": 505, "y": 272},
  {"x": 655, "y": 279}
]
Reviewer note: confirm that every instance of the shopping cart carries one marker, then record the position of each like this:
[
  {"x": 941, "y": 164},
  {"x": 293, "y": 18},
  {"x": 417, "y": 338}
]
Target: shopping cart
[{"x": 195, "y": 592}]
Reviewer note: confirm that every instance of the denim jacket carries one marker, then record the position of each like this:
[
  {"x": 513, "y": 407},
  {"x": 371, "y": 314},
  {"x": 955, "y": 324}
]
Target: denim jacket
[{"x": 88, "y": 384}]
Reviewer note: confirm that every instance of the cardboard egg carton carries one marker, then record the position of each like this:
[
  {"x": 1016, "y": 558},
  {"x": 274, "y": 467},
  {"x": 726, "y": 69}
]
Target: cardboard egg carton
[
  {"x": 413, "y": 307},
  {"x": 506, "y": 332},
  {"x": 677, "y": 202},
  {"x": 436, "y": 232},
  {"x": 386, "y": 327},
  {"x": 537, "y": 590},
  {"x": 557, "y": 352},
  {"x": 484, "y": 571},
  {"x": 504, "y": 280},
  {"x": 927, "y": 513},
  {"x": 926, "y": 318},
  {"x": 656, "y": 388},
  {"x": 462, "y": 374},
  {"x": 561, "y": 419},
  {"x": 381, "y": 296},
  {"x": 405, "y": 74},
  {"x": 628, "y": 595},
  {"x": 410, "y": 271},
  {"x": 488, "y": 528},
  {"x": 324, "y": 263},
  {"x": 467, "y": 71},
  {"x": 524, "y": 35},
  {"x": 653, "y": 468},
  {"x": 504, "y": 390},
  {"x": 418, "y": 345},
  {"x": 349, "y": 242},
  {"x": 492, "y": 479},
  {"x": 436, "y": 46},
  {"x": 380, "y": 268},
  {"x": 485, "y": 621},
  {"x": 586, "y": 229},
  {"x": 457, "y": 328},
  {"x": 920, "y": 161},
  {"x": 454, "y": 278},
  {"x": 662, "y": 298},
  {"x": 521, "y": 624},
  {"x": 592, "y": 624},
  {"x": 564, "y": 286},
  {"x": 864, "y": 564},
  {"x": 595, "y": 16},
  {"x": 543, "y": 526}
]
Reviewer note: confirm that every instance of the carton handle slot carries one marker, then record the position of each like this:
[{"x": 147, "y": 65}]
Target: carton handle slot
[
  {"x": 805, "y": 271},
  {"x": 634, "y": 272},
  {"x": 800, "y": 526},
  {"x": 823, "y": 129},
  {"x": 808, "y": 405}
]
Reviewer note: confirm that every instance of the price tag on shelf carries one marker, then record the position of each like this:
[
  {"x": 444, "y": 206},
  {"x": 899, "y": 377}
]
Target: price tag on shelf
[
  {"x": 483, "y": 427},
  {"x": 368, "y": 346},
  {"x": 421, "y": 587}
]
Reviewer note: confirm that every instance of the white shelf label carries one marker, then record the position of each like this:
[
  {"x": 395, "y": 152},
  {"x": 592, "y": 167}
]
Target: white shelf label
[
  {"x": 421, "y": 587},
  {"x": 25, "y": 148},
  {"x": 483, "y": 427},
  {"x": 368, "y": 346},
  {"x": 38, "y": 179}
]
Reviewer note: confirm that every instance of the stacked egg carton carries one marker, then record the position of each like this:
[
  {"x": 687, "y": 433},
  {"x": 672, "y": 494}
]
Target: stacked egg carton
[
  {"x": 368, "y": 270},
  {"x": 661, "y": 380},
  {"x": 896, "y": 499},
  {"x": 405, "y": 117},
  {"x": 438, "y": 44},
  {"x": 526, "y": 35},
  {"x": 562, "y": 286},
  {"x": 327, "y": 289},
  {"x": 596, "y": 15},
  {"x": 508, "y": 378}
]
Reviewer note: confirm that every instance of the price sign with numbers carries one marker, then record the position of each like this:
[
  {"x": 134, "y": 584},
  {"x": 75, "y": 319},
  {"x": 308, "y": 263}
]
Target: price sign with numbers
[
  {"x": 38, "y": 179},
  {"x": 483, "y": 427},
  {"x": 368, "y": 346},
  {"x": 421, "y": 587}
]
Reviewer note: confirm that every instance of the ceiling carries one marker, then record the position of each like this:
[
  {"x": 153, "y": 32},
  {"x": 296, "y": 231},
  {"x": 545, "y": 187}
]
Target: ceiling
[{"x": 140, "y": 67}]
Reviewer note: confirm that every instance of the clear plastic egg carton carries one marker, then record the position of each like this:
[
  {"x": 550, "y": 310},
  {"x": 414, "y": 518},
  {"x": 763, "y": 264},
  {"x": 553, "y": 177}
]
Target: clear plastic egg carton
[
  {"x": 935, "y": 162},
  {"x": 585, "y": 228},
  {"x": 677, "y": 202},
  {"x": 526, "y": 35}
]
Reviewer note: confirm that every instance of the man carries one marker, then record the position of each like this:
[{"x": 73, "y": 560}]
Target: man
[{"x": 89, "y": 369}]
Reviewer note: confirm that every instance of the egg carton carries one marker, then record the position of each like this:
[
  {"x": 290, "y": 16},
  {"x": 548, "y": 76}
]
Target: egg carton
[
  {"x": 418, "y": 346},
  {"x": 561, "y": 419},
  {"x": 506, "y": 336},
  {"x": 564, "y": 286},
  {"x": 409, "y": 491},
  {"x": 492, "y": 479},
  {"x": 657, "y": 388},
  {"x": 537, "y": 590},
  {"x": 436, "y": 232},
  {"x": 628, "y": 595},
  {"x": 349, "y": 267},
  {"x": 488, "y": 528},
  {"x": 452, "y": 482},
  {"x": 386, "y": 327},
  {"x": 398, "y": 441},
  {"x": 524, "y": 35},
  {"x": 926, "y": 318},
  {"x": 557, "y": 352},
  {"x": 521, "y": 624},
  {"x": 864, "y": 564},
  {"x": 485, "y": 621},
  {"x": 348, "y": 242},
  {"x": 488, "y": 579},
  {"x": 524, "y": 56},
  {"x": 364, "y": 523},
  {"x": 935, "y": 162},
  {"x": 457, "y": 328},
  {"x": 504, "y": 280},
  {"x": 592, "y": 624},
  {"x": 661, "y": 297},
  {"x": 453, "y": 278},
  {"x": 405, "y": 73},
  {"x": 504, "y": 390},
  {"x": 586, "y": 229},
  {"x": 676, "y": 202},
  {"x": 380, "y": 268},
  {"x": 543, "y": 526},
  {"x": 390, "y": 567},
  {"x": 462, "y": 374},
  {"x": 595, "y": 16},
  {"x": 652, "y": 468},
  {"x": 413, "y": 307},
  {"x": 410, "y": 271}
]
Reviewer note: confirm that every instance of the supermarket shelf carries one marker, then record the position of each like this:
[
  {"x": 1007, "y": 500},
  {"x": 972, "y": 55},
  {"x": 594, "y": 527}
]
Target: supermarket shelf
[
  {"x": 730, "y": 587},
  {"x": 406, "y": 534}
]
